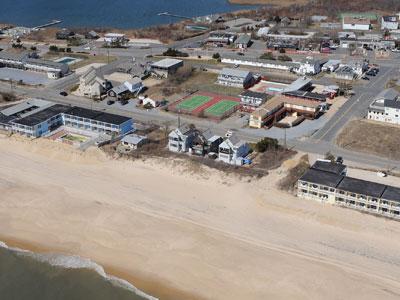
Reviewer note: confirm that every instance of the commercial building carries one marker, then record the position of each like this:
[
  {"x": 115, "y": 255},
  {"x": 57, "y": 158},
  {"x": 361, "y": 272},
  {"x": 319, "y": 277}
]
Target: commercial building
[
  {"x": 331, "y": 65},
  {"x": 23, "y": 61},
  {"x": 390, "y": 23},
  {"x": 221, "y": 38},
  {"x": 310, "y": 66},
  {"x": 111, "y": 39},
  {"x": 385, "y": 107},
  {"x": 165, "y": 67},
  {"x": 278, "y": 107},
  {"x": 243, "y": 41},
  {"x": 233, "y": 151},
  {"x": 235, "y": 78},
  {"x": 262, "y": 63},
  {"x": 327, "y": 183},
  {"x": 251, "y": 100},
  {"x": 36, "y": 118},
  {"x": 356, "y": 23}
]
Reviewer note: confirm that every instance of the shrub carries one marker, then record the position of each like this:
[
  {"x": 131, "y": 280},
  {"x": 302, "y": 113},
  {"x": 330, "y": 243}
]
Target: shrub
[{"x": 267, "y": 144}]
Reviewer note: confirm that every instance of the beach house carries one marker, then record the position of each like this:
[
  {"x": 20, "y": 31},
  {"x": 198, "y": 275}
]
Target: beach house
[
  {"x": 233, "y": 151},
  {"x": 181, "y": 138},
  {"x": 92, "y": 85}
]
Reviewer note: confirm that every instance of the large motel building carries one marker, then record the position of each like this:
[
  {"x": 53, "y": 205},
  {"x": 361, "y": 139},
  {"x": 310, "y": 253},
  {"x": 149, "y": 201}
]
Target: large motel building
[
  {"x": 36, "y": 118},
  {"x": 23, "y": 61},
  {"x": 327, "y": 182}
]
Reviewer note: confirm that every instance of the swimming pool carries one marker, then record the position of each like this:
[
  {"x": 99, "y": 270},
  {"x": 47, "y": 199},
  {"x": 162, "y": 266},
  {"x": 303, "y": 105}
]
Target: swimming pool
[{"x": 68, "y": 60}]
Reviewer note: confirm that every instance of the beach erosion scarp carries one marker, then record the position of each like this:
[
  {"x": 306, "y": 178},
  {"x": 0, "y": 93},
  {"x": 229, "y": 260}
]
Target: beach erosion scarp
[{"x": 177, "y": 234}]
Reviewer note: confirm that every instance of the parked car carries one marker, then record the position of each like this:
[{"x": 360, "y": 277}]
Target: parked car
[
  {"x": 63, "y": 93},
  {"x": 110, "y": 102},
  {"x": 123, "y": 102},
  {"x": 339, "y": 160},
  {"x": 365, "y": 78},
  {"x": 240, "y": 53}
]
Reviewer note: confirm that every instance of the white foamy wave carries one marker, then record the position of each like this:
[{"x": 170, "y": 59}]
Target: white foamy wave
[{"x": 77, "y": 262}]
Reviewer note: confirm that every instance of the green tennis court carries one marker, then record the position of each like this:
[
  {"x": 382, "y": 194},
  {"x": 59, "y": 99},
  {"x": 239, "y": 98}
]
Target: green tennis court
[
  {"x": 193, "y": 102},
  {"x": 221, "y": 107}
]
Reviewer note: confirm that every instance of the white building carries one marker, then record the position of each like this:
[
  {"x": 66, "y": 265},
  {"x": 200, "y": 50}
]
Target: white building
[
  {"x": 310, "y": 66},
  {"x": 235, "y": 77},
  {"x": 390, "y": 23},
  {"x": 233, "y": 151},
  {"x": 134, "y": 141},
  {"x": 115, "y": 38},
  {"x": 92, "y": 85},
  {"x": 354, "y": 23},
  {"x": 331, "y": 66},
  {"x": 181, "y": 139},
  {"x": 385, "y": 107},
  {"x": 166, "y": 67},
  {"x": 262, "y": 63},
  {"x": 251, "y": 100}
]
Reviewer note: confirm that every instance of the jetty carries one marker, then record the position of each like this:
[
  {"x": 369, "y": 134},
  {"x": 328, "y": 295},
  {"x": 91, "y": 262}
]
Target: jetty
[
  {"x": 167, "y": 14},
  {"x": 51, "y": 23}
]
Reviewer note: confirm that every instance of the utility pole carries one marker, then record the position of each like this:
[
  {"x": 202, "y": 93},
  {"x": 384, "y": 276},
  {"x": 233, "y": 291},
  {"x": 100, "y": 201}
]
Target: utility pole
[
  {"x": 285, "y": 141},
  {"x": 108, "y": 56}
]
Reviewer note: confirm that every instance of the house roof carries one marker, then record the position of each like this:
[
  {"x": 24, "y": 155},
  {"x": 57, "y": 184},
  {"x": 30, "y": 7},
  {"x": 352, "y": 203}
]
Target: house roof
[
  {"x": 243, "y": 39},
  {"x": 322, "y": 177},
  {"x": 356, "y": 20},
  {"x": 330, "y": 167},
  {"x": 133, "y": 139},
  {"x": 166, "y": 63},
  {"x": 298, "y": 84},
  {"x": 120, "y": 89},
  {"x": 390, "y": 19},
  {"x": 234, "y": 72}
]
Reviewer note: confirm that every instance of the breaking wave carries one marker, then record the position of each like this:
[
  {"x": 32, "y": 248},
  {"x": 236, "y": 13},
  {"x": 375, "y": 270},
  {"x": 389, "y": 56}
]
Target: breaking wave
[{"x": 77, "y": 262}]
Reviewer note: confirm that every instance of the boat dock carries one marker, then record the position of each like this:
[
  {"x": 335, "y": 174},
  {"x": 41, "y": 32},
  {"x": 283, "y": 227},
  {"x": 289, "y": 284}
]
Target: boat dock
[
  {"x": 53, "y": 22},
  {"x": 167, "y": 14}
]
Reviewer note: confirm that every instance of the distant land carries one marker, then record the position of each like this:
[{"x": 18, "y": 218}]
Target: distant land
[{"x": 272, "y": 2}]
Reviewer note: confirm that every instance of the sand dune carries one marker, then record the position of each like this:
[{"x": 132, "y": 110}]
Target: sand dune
[{"x": 179, "y": 235}]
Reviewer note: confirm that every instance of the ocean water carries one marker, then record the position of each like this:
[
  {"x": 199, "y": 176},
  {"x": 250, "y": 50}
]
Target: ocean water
[
  {"x": 107, "y": 13},
  {"x": 28, "y": 276}
]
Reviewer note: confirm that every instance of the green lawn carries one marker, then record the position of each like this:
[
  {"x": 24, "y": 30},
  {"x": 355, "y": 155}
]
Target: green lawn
[
  {"x": 193, "y": 102},
  {"x": 221, "y": 107}
]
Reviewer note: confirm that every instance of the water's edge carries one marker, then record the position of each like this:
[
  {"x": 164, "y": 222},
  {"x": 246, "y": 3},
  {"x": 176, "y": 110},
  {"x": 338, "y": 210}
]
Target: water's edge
[{"x": 61, "y": 266}]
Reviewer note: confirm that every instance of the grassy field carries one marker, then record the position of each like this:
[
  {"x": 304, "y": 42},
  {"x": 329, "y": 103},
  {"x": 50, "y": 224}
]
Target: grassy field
[
  {"x": 75, "y": 138},
  {"x": 372, "y": 138},
  {"x": 221, "y": 107},
  {"x": 193, "y": 102}
]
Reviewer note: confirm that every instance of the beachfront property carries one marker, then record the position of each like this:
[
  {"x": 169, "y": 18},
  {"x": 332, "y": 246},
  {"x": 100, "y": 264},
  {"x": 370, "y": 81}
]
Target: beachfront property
[
  {"x": 181, "y": 138},
  {"x": 54, "y": 70},
  {"x": 36, "y": 118},
  {"x": 356, "y": 23},
  {"x": 92, "y": 85},
  {"x": 235, "y": 78},
  {"x": 327, "y": 182},
  {"x": 165, "y": 67},
  {"x": 390, "y": 23},
  {"x": 233, "y": 151},
  {"x": 251, "y": 100},
  {"x": 205, "y": 142},
  {"x": 134, "y": 141},
  {"x": 133, "y": 86},
  {"x": 385, "y": 107}
]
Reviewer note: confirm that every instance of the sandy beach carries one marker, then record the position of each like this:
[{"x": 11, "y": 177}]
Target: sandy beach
[{"x": 177, "y": 232}]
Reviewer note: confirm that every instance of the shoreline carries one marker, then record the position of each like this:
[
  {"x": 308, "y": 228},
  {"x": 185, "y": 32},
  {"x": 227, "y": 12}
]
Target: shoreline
[
  {"x": 150, "y": 286},
  {"x": 168, "y": 230}
]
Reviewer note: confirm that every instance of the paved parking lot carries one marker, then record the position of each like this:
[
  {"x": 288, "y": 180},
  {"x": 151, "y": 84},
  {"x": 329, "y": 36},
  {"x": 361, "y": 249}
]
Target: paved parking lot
[{"x": 27, "y": 77}]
